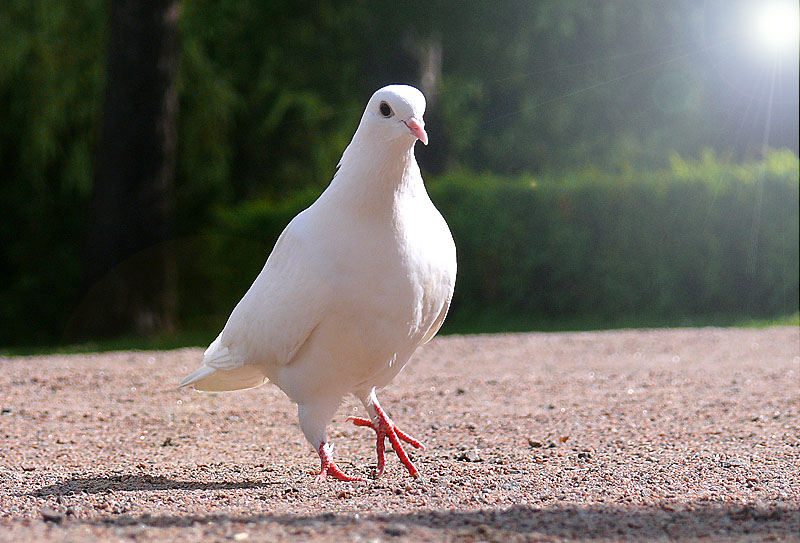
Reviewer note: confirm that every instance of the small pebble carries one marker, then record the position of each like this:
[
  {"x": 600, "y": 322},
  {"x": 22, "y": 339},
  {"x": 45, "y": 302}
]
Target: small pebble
[
  {"x": 470, "y": 456},
  {"x": 51, "y": 515},
  {"x": 395, "y": 530}
]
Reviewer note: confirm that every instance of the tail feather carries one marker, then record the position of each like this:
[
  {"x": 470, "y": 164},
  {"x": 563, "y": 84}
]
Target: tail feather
[
  {"x": 222, "y": 370},
  {"x": 211, "y": 379},
  {"x": 197, "y": 375}
]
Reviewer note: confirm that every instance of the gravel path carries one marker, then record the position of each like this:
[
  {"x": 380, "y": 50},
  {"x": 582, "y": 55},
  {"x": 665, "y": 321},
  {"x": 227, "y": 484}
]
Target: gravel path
[{"x": 668, "y": 435}]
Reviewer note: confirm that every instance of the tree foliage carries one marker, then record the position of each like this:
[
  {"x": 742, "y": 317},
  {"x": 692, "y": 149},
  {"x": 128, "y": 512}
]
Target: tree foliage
[
  {"x": 270, "y": 94},
  {"x": 699, "y": 238}
]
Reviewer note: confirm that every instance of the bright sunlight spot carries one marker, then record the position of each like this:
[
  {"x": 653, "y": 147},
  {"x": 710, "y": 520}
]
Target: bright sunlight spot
[{"x": 775, "y": 26}]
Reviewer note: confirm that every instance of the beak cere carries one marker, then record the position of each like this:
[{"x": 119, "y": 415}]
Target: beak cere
[{"x": 417, "y": 128}]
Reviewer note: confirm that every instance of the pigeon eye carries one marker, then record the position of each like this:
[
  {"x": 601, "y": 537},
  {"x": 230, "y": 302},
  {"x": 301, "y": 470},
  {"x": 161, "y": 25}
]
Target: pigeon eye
[{"x": 385, "y": 110}]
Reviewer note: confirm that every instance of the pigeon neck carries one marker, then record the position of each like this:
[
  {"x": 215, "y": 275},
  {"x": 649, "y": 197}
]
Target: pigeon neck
[{"x": 377, "y": 170}]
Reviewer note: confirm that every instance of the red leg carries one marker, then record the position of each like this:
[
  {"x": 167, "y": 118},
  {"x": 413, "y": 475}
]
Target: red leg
[
  {"x": 386, "y": 428},
  {"x": 329, "y": 467}
]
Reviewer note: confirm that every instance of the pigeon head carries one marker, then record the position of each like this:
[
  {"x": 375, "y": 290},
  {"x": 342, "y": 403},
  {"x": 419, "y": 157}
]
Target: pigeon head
[{"x": 395, "y": 113}]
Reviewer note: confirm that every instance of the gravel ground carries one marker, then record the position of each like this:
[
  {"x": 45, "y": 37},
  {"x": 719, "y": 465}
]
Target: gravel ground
[{"x": 668, "y": 435}]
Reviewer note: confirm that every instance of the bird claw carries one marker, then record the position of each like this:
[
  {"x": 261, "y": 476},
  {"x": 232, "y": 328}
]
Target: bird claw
[
  {"x": 386, "y": 428},
  {"x": 361, "y": 421},
  {"x": 329, "y": 467},
  {"x": 334, "y": 471}
]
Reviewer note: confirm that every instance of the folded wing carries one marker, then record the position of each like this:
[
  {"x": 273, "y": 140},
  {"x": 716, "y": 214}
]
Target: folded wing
[{"x": 272, "y": 321}]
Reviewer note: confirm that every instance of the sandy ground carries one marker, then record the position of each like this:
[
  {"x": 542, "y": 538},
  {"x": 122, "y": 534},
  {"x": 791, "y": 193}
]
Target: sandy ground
[{"x": 671, "y": 435}]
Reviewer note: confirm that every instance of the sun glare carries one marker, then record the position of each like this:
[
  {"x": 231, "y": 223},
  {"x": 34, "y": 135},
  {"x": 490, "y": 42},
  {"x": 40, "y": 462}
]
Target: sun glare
[{"x": 776, "y": 25}]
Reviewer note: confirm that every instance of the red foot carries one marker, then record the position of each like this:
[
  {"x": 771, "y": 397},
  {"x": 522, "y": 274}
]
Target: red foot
[
  {"x": 329, "y": 467},
  {"x": 387, "y": 428}
]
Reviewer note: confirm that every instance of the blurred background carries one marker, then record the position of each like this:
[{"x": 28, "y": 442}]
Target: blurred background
[{"x": 601, "y": 164}]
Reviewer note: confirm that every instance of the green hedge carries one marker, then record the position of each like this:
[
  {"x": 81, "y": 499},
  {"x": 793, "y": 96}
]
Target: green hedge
[{"x": 702, "y": 238}]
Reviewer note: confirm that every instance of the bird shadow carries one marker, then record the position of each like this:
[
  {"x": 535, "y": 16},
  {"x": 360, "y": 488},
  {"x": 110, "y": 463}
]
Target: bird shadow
[
  {"x": 139, "y": 483},
  {"x": 674, "y": 521},
  {"x": 597, "y": 521}
]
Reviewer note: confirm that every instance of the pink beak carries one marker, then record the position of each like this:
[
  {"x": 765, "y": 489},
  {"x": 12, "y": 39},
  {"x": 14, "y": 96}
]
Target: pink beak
[{"x": 417, "y": 128}]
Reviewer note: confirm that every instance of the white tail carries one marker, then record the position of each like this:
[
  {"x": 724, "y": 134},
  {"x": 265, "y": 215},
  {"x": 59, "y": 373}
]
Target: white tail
[{"x": 222, "y": 371}]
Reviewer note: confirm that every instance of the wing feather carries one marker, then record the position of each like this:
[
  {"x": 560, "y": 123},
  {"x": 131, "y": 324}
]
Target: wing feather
[{"x": 273, "y": 320}]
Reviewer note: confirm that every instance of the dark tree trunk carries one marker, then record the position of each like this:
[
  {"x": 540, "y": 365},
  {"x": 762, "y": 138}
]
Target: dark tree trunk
[{"x": 130, "y": 267}]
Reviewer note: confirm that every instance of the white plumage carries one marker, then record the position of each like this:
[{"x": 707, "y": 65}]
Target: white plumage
[{"x": 353, "y": 286}]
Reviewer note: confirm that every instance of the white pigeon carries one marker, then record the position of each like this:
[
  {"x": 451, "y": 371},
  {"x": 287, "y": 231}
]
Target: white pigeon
[{"x": 354, "y": 284}]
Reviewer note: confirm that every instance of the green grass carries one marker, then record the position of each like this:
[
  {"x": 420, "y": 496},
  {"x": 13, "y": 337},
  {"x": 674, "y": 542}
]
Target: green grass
[
  {"x": 185, "y": 338},
  {"x": 487, "y": 322},
  {"x": 787, "y": 320},
  {"x": 493, "y": 322}
]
